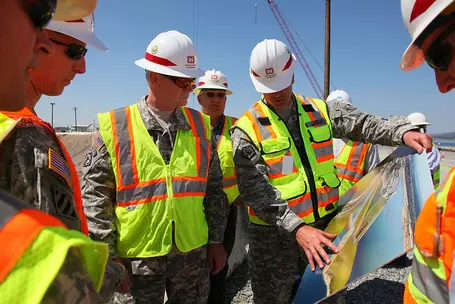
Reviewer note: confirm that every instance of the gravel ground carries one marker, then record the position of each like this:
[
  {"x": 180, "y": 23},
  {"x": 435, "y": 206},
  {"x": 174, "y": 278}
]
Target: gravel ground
[{"x": 385, "y": 285}]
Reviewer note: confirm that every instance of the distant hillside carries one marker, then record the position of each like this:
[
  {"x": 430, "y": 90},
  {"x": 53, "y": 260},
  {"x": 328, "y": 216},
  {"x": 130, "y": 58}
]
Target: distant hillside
[{"x": 447, "y": 135}]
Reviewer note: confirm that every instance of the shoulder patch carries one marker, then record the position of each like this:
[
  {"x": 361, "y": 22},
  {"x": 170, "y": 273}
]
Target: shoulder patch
[
  {"x": 59, "y": 165},
  {"x": 248, "y": 152},
  {"x": 97, "y": 141},
  {"x": 88, "y": 158}
]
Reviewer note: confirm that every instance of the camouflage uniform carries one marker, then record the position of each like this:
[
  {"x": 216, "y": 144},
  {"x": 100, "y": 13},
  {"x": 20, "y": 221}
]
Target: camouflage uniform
[
  {"x": 25, "y": 173},
  {"x": 187, "y": 273},
  {"x": 274, "y": 253}
]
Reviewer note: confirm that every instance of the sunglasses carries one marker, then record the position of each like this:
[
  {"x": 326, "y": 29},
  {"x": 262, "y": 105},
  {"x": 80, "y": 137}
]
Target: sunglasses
[
  {"x": 182, "y": 83},
  {"x": 213, "y": 94},
  {"x": 440, "y": 53},
  {"x": 40, "y": 11},
  {"x": 73, "y": 50}
]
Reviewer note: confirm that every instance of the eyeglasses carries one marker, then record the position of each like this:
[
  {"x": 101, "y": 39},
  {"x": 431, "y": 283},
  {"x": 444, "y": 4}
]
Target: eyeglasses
[
  {"x": 40, "y": 11},
  {"x": 440, "y": 53},
  {"x": 213, "y": 94},
  {"x": 73, "y": 50},
  {"x": 182, "y": 83}
]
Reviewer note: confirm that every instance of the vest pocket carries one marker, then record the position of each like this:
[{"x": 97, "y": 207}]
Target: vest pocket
[
  {"x": 320, "y": 134},
  {"x": 275, "y": 145}
]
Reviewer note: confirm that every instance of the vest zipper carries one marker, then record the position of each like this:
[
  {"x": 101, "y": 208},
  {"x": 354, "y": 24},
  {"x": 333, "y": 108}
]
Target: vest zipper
[{"x": 305, "y": 162}]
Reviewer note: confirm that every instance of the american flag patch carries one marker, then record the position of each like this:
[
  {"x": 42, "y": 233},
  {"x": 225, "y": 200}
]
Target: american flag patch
[
  {"x": 59, "y": 166},
  {"x": 97, "y": 141}
]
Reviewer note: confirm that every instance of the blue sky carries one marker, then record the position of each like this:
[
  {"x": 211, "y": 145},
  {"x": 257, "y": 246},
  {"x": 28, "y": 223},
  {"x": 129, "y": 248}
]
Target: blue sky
[{"x": 368, "y": 39}]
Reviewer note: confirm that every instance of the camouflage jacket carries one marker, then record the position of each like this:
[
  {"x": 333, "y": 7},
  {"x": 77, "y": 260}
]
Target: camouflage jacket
[
  {"x": 99, "y": 189},
  {"x": 33, "y": 168},
  {"x": 347, "y": 121}
]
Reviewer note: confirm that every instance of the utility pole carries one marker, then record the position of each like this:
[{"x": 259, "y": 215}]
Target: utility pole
[
  {"x": 75, "y": 118},
  {"x": 52, "y": 114},
  {"x": 327, "y": 50}
]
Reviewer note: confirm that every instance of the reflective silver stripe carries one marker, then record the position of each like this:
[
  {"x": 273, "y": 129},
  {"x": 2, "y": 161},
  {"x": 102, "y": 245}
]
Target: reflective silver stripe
[
  {"x": 275, "y": 168},
  {"x": 141, "y": 193},
  {"x": 354, "y": 161},
  {"x": 204, "y": 156},
  {"x": 124, "y": 144},
  {"x": 323, "y": 151},
  {"x": 9, "y": 207},
  {"x": 351, "y": 173},
  {"x": 265, "y": 133},
  {"x": 302, "y": 206},
  {"x": 188, "y": 186},
  {"x": 324, "y": 197},
  {"x": 229, "y": 182},
  {"x": 432, "y": 286}
]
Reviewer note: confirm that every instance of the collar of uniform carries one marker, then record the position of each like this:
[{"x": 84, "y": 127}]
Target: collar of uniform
[
  {"x": 177, "y": 121},
  {"x": 219, "y": 126}
]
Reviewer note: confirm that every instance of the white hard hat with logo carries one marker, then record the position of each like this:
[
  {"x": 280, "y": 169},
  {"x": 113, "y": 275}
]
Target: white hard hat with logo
[
  {"x": 214, "y": 80},
  {"x": 74, "y": 9},
  {"x": 81, "y": 29},
  {"x": 339, "y": 95},
  {"x": 417, "y": 16},
  {"x": 172, "y": 53},
  {"x": 418, "y": 119},
  {"x": 271, "y": 66}
]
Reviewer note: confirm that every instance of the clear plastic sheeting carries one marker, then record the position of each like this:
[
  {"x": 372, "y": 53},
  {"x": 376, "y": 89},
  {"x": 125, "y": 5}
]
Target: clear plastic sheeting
[{"x": 374, "y": 224}]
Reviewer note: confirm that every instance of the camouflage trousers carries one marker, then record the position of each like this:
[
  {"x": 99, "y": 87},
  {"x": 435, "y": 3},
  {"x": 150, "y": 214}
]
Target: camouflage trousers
[
  {"x": 184, "y": 277},
  {"x": 274, "y": 259}
]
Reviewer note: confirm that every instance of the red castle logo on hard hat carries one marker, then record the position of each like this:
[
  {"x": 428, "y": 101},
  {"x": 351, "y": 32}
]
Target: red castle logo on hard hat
[
  {"x": 214, "y": 77},
  {"x": 269, "y": 71},
  {"x": 420, "y": 7},
  {"x": 190, "y": 59}
]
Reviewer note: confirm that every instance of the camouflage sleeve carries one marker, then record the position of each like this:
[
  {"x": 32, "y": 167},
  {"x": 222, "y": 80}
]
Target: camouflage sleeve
[
  {"x": 215, "y": 200},
  {"x": 98, "y": 195},
  {"x": 264, "y": 199},
  {"x": 349, "y": 122},
  {"x": 72, "y": 283}
]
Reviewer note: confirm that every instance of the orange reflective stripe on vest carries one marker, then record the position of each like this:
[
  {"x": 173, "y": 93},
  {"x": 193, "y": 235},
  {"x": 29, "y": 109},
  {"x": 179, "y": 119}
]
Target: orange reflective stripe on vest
[
  {"x": 132, "y": 192},
  {"x": 18, "y": 233},
  {"x": 77, "y": 196}
]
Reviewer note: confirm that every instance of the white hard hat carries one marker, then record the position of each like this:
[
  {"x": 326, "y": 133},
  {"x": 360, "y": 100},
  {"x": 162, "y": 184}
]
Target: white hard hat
[
  {"x": 271, "y": 66},
  {"x": 81, "y": 29},
  {"x": 418, "y": 119},
  {"x": 339, "y": 95},
  {"x": 417, "y": 16},
  {"x": 214, "y": 80},
  {"x": 74, "y": 9},
  {"x": 171, "y": 53}
]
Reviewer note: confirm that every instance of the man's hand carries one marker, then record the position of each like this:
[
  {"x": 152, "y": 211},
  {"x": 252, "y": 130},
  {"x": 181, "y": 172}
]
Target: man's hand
[
  {"x": 312, "y": 240},
  {"x": 216, "y": 257},
  {"x": 418, "y": 141},
  {"x": 125, "y": 285}
]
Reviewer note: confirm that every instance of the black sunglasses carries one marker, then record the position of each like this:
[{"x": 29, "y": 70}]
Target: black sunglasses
[
  {"x": 440, "y": 53},
  {"x": 40, "y": 11},
  {"x": 182, "y": 83},
  {"x": 213, "y": 94},
  {"x": 73, "y": 50}
]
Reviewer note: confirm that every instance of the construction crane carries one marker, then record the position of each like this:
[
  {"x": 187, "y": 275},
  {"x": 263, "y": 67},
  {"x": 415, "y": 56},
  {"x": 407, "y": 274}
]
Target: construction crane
[{"x": 295, "y": 48}]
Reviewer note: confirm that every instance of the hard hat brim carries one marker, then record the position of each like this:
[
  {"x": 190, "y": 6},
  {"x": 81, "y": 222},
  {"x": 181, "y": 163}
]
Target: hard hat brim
[
  {"x": 272, "y": 86},
  {"x": 74, "y": 9},
  {"x": 160, "y": 69},
  {"x": 77, "y": 33},
  {"x": 208, "y": 86}
]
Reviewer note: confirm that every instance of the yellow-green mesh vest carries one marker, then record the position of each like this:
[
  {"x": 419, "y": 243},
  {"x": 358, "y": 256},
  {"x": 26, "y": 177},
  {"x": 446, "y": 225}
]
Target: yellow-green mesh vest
[
  {"x": 41, "y": 261},
  {"x": 351, "y": 164},
  {"x": 227, "y": 161},
  {"x": 272, "y": 138},
  {"x": 6, "y": 125},
  {"x": 153, "y": 198}
]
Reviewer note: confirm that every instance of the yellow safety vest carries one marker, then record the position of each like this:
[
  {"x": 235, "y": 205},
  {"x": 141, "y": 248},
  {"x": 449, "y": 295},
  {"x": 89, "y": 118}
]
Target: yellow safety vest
[
  {"x": 153, "y": 198},
  {"x": 35, "y": 245},
  {"x": 227, "y": 161},
  {"x": 311, "y": 198},
  {"x": 351, "y": 163}
]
